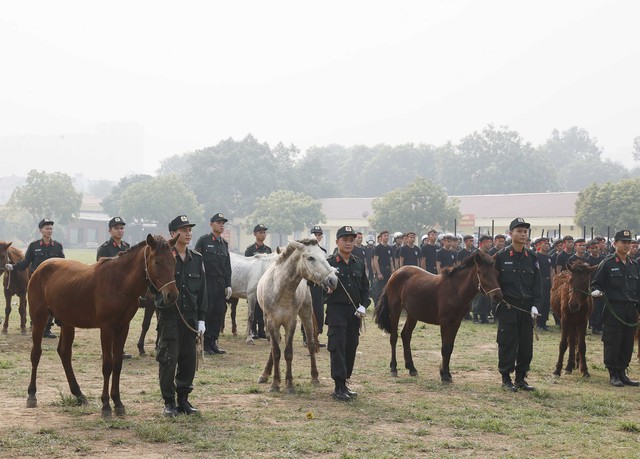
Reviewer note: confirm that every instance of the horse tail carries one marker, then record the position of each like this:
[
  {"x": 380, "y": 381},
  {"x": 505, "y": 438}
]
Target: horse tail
[{"x": 382, "y": 313}]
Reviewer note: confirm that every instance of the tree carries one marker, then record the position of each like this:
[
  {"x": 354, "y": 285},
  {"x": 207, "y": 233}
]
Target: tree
[
  {"x": 285, "y": 212},
  {"x": 159, "y": 200},
  {"x": 416, "y": 207},
  {"x": 611, "y": 205},
  {"x": 47, "y": 195},
  {"x": 112, "y": 204},
  {"x": 636, "y": 149}
]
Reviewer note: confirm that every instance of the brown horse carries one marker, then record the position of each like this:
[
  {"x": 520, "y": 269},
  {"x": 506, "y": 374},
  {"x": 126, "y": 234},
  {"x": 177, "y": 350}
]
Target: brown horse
[
  {"x": 103, "y": 295},
  {"x": 572, "y": 303},
  {"x": 435, "y": 299},
  {"x": 15, "y": 283}
]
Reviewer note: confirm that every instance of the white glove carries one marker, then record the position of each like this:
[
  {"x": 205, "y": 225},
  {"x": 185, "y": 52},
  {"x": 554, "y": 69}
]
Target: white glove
[
  {"x": 8, "y": 267},
  {"x": 534, "y": 312},
  {"x": 227, "y": 292},
  {"x": 596, "y": 293},
  {"x": 361, "y": 311},
  {"x": 201, "y": 327}
]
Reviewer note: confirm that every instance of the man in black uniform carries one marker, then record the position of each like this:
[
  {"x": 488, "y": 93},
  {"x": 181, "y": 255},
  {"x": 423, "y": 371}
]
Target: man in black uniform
[
  {"x": 176, "y": 346},
  {"x": 580, "y": 248},
  {"x": 594, "y": 259},
  {"x": 260, "y": 233},
  {"x": 409, "y": 252},
  {"x": 467, "y": 250},
  {"x": 481, "y": 304},
  {"x": 369, "y": 250},
  {"x": 37, "y": 252},
  {"x": 617, "y": 277},
  {"x": 113, "y": 247},
  {"x": 217, "y": 264},
  {"x": 429, "y": 251},
  {"x": 564, "y": 254},
  {"x": 382, "y": 264},
  {"x": 498, "y": 244},
  {"x": 445, "y": 257},
  {"x": 544, "y": 263},
  {"x": 520, "y": 281},
  {"x": 316, "y": 292},
  {"x": 345, "y": 308}
]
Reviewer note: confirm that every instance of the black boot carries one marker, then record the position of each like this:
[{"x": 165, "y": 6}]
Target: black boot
[
  {"x": 614, "y": 378},
  {"x": 625, "y": 379},
  {"x": 184, "y": 407},
  {"x": 349, "y": 392},
  {"x": 507, "y": 384},
  {"x": 170, "y": 410},
  {"x": 339, "y": 392},
  {"x": 216, "y": 349},
  {"x": 522, "y": 384}
]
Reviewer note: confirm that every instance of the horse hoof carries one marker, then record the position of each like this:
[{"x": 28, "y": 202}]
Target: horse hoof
[
  {"x": 586, "y": 375},
  {"x": 142, "y": 352},
  {"x": 120, "y": 411},
  {"x": 315, "y": 382},
  {"x": 413, "y": 372},
  {"x": 5, "y": 331},
  {"x": 274, "y": 389},
  {"x": 263, "y": 379},
  {"x": 106, "y": 413},
  {"x": 394, "y": 374},
  {"x": 23, "y": 331},
  {"x": 291, "y": 390},
  {"x": 446, "y": 381},
  {"x": 250, "y": 342},
  {"x": 82, "y": 400},
  {"x": 32, "y": 402},
  {"x": 556, "y": 374},
  {"x": 568, "y": 372}
]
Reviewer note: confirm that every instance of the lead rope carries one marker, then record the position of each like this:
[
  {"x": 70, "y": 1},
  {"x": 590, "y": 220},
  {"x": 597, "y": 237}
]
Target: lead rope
[
  {"x": 606, "y": 301},
  {"x": 363, "y": 326},
  {"x": 509, "y": 306}
]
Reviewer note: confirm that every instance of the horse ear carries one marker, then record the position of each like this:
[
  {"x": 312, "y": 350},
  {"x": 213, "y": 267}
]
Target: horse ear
[
  {"x": 151, "y": 241},
  {"x": 9, "y": 244},
  {"x": 173, "y": 241},
  {"x": 296, "y": 245},
  {"x": 278, "y": 250}
]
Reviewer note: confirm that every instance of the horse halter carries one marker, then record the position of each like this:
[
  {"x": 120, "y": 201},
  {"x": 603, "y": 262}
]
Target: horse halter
[
  {"x": 481, "y": 288},
  {"x": 148, "y": 278}
]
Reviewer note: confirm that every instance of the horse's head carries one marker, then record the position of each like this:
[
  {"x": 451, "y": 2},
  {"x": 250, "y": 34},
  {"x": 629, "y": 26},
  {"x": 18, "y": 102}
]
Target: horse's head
[
  {"x": 160, "y": 265},
  {"x": 313, "y": 264},
  {"x": 580, "y": 283},
  {"x": 4, "y": 254},
  {"x": 487, "y": 275}
]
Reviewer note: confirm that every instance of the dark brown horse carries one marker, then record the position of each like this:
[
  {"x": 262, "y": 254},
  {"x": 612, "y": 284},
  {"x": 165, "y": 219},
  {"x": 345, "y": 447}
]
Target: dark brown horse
[
  {"x": 435, "y": 299},
  {"x": 572, "y": 302},
  {"x": 103, "y": 295},
  {"x": 14, "y": 283}
]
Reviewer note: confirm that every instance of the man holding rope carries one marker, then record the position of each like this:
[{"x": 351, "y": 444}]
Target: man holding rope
[
  {"x": 178, "y": 323},
  {"x": 520, "y": 281},
  {"x": 617, "y": 280}
]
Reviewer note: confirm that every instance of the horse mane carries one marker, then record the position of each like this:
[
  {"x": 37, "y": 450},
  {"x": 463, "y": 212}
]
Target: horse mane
[
  {"x": 160, "y": 243},
  {"x": 15, "y": 254},
  {"x": 468, "y": 262},
  {"x": 580, "y": 267},
  {"x": 290, "y": 249}
]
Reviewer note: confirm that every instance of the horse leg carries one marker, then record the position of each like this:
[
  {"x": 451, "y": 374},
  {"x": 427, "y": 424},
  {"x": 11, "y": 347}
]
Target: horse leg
[
  {"x": 224, "y": 318},
  {"x": 448, "y": 334},
  {"x": 394, "y": 311},
  {"x": 39, "y": 318},
  {"x": 307, "y": 318},
  {"x": 23, "y": 314},
  {"x": 251, "y": 307},
  {"x": 264, "y": 377},
  {"x": 106, "y": 340},
  {"x": 120, "y": 337},
  {"x": 290, "y": 331},
  {"x": 582, "y": 350},
  {"x": 571, "y": 358},
  {"x": 234, "y": 311},
  {"x": 407, "y": 330},
  {"x": 149, "y": 309},
  {"x": 7, "y": 312},
  {"x": 276, "y": 352},
  {"x": 562, "y": 350},
  {"x": 65, "y": 351}
]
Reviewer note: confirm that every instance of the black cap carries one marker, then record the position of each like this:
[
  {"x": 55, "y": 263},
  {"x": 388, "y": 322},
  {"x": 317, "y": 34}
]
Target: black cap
[
  {"x": 484, "y": 237},
  {"x": 623, "y": 235},
  {"x": 217, "y": 217},
  {"x": 116, "y": 221},
  {"x": 316, "y": 230},
  {"x": 44, "y": 222},
  {"x": 260, "y": 227},
  {"x": 345, "y": 231},
  {"x": 517, "y": 223},
  {"x": 179, "y": 222}
]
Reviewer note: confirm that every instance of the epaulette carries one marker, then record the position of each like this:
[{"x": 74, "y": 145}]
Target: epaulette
[
  {"x": 195, "y": 252},
  {"x": 104, "y": 244},
  {"x": 608, "y": 257}
]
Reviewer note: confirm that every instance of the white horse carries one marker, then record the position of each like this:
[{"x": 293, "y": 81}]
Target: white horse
[{"x": 283, "y": 295}]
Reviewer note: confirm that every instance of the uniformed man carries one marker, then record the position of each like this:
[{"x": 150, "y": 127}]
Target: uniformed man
[
  {"x": 316, "y": 292},
  {"x": 429, "y": 251},
  {"x": 382, "y": 264},
  {"x": 369, "y": 250},
  {"x": 546, "y": 278},
  {"x": 520, "y": 281},
  {"x": 499, "y": 241},
  {"x": 617, "y": 279},
  {"x": 37, "y": 252},
  {"x": 260, "y": 233},
  {"x": 409, "y": 252},
  {"x": 346, "y": 306},
  {"x": 580, "y": 251},
  {"x": 594, "y": 259},
  {"x": 176, "y": 345},
  {"x": 445, "y": 257},
  {"x": 481, "y": 304},
  {"x": 564, "y": 254},
  {"x": 217, "y": 264},
  {"x": 467, "y": 250},
  {"x": 115, "y": 244},
  {"x": 113, "y": 247}
]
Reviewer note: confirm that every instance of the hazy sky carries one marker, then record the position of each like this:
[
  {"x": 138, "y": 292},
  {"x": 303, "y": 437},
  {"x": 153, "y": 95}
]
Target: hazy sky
[{"x": 189, "y": 74}]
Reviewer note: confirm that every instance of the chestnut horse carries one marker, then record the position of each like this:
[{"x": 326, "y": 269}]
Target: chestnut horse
[
  {"x": 435, "y": 299},
  {"x": 14, "y": 283},
  {"x": 103, "y": 295},
  {"x": 571, "y": 301}
]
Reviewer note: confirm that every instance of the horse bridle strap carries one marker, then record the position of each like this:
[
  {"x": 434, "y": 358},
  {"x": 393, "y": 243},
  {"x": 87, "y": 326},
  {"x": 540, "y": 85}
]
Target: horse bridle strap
[
  {"x": 146, "y": 274},
  {"x": 480, "y": 286}
]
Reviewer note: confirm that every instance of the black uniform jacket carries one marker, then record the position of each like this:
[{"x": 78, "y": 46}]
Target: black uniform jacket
[
  {"x": 619, "y": 281},
  {"x": 519, "y": 278},
  {"x": 255, "y": 248},
  {"x": 37, "y": 252},
  {"x": 215, "y": 251},
  {"x": 353, "y": 278},
  {"x": 111, "y": 249}
]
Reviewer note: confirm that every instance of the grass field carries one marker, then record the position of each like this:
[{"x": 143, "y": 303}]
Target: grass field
[{"x": 393, "y": 417}]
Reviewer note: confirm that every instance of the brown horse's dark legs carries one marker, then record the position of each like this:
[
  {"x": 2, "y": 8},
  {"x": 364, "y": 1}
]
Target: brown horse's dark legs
[
  {"x": 149, "y": 309},
  {"x": 571, "y": 360},
  {"x": 562, "y": 350},
  {"x": 106, "y": 339},
  {"x": 118, "y": 350},
  {"x": 23, "y": 314},
  {"x": 288, "y": 355},
  {"x": 65, "y": 351},
  {"x": 39, "y": 322},
  {"x": 7, "y": 312},
  {"x": 407, "y": 330},
  {"x": 582, "y": 351},
  {"x": 448, "y": 334}
]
